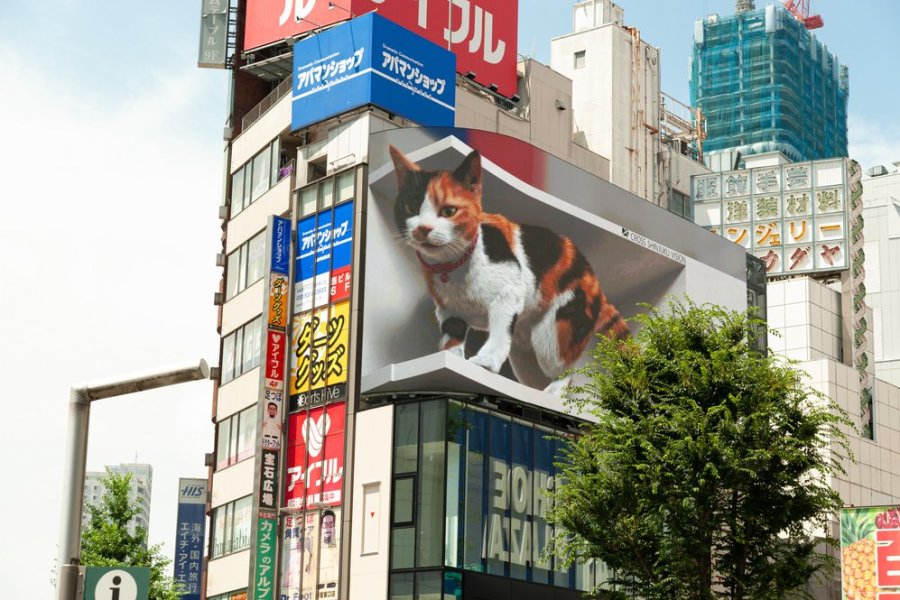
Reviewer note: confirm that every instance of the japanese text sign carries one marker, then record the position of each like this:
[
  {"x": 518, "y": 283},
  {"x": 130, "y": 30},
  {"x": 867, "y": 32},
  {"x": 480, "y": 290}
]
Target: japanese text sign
[
  {"x": 481, "y": 33},
  {"x": 189, "y": 536},
  {"x": 371, "y": 60},
  {"x": 315, "y": 456}
]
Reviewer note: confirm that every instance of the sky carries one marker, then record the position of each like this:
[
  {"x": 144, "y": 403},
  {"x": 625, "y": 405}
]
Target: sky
[{"x": 111, "y": 155}]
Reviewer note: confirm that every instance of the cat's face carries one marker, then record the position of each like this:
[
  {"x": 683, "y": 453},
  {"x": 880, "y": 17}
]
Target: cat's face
[{"x": 438, "y": 212}]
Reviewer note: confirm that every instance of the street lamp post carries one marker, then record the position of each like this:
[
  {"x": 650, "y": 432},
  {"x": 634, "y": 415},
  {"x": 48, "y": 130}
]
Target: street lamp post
[{"x": 75, "y": 460}]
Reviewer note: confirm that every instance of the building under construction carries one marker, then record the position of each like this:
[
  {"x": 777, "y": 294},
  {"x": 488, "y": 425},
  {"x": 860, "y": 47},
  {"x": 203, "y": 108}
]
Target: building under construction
[{"x": 765, "y": 83}]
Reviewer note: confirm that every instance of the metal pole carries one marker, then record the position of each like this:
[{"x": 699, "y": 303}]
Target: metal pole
[
  {"x": 74, "y": 464},
  {"x": 75, "y": 459}
]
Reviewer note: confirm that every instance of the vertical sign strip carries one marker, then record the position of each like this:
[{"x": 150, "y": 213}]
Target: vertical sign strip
[
  {"x": 264, "y": 579},
  {"x": 317, "y": 387},
  {"x": 271, "y": 409},
  {"x": 320, "y": 325},
  {"x": 189, "y": 535}
]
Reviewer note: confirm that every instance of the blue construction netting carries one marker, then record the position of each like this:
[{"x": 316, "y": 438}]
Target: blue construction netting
[{"x": 764, "y": 83}]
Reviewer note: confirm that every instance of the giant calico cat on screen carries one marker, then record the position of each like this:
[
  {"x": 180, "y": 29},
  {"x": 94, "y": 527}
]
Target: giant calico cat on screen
[{"x": 528, "y": 288}]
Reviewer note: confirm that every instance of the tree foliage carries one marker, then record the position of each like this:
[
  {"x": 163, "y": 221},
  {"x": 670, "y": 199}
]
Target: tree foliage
[
  {"x": 707, "y": 472},
  {"x": 106, "y": 541}
]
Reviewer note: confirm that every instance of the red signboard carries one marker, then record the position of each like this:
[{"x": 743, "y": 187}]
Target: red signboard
[
  {"x": 315, "y": 456},
  {"x": 276, "y": 351},
  {"x": 270, "y": 21},
  {"x": 482, "y": 33}
]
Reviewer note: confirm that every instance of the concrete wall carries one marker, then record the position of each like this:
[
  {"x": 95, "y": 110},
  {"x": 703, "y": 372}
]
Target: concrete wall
[
  {"x": 881, "y": 211},
  {"x": 807, "y": 317},
  {"x": 370, "y": 537},
  {"x": 873, "y": 479},
  {"x": 615, "y": 97},
  {"x": 543, "y": 117}
]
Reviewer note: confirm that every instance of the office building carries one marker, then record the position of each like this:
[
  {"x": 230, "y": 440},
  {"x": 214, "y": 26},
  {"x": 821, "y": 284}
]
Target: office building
[
  {"x": 764, "y": 83},
  {"x": 140, "y": 488},
  {"x": 881, "y": 211},
  {"x": 354, "y": 458},
  {"x": 650, "y": 139}
]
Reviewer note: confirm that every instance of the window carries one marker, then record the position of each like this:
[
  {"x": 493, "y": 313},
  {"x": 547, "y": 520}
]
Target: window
[
  {"x": 236, "y": 439},
  {"x": 316, "y": 169},
  {"x": 680, "y": 204},
  {"x": 255, "y": 177},
  {"x": 579, "y": 59},
  {"x": 245, "y": 265},
  {"x": 327, "y": 191},
  {"x": 262, "y": 174},
  {"x": 237, "y": 192},
  {"x": 240, "y": 350},
  {"x": 231, "y": 527},
  {"x": 471, "y": 489}
]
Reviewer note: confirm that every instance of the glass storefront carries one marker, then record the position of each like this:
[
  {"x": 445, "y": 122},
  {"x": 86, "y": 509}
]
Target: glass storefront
[{"x": 470, "y": 493}]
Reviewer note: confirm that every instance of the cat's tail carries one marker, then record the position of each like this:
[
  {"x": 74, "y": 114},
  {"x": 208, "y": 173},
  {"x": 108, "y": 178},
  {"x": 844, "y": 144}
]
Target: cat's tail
[{"x": 610, "y": 321}]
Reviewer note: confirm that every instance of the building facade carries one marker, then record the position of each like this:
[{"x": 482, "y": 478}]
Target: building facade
[
  {"x": 882, "y": 215},
  {"x": 140, "y": 488},
  {"x": 620, "y": 111},
  {"x": 764, "y": 83},
  {"x": 809, "y": 223},
  {"x": 354, "y": 457}
]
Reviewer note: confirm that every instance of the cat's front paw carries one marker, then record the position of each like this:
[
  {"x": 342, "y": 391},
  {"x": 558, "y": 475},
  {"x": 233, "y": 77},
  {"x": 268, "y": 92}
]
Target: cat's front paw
[
  {"x": 492, "y": 361},
  {"x": 457, "y": 350}
]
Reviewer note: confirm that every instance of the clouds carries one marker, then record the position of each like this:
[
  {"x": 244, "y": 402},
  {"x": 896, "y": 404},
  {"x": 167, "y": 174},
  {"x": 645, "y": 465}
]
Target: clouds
[{"x": 874, "y": 141}]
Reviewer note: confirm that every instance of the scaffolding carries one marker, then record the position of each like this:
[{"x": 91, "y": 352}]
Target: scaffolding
[
  {"x": 681, "y": 127},
  {"x": 764, "y": 83}
]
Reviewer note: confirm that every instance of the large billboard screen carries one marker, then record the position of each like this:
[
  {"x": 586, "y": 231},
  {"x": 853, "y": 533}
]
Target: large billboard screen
[
  {"x": 870, "y": 553},
  {"x": 482, "y": 248},
  {"x": 794, "y": 217},
  {"x": 371, "y": 60},
  {"x": 481, "y": 33}
]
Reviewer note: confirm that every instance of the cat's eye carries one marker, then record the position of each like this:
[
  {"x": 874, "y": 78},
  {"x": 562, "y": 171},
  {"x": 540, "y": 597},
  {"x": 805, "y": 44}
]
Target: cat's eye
[
  {"x": 410, "y": 210},
  {"x": 448, "y": 211}
]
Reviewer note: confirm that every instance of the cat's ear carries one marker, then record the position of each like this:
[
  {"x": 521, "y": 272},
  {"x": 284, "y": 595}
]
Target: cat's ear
[
  {"x": 468, "y": 172},
  {"x": 402, "y": 165}
]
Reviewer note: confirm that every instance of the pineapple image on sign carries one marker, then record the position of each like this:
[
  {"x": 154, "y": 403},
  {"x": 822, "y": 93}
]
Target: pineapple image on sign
[{"x": 859, "y": 560}]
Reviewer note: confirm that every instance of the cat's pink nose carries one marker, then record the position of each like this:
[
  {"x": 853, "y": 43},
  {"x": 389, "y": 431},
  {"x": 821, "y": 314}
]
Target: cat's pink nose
[{"x": 421, "y": 232}]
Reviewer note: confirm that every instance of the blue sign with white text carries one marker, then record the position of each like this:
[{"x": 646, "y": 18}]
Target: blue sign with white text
[
  {"x": 342, "y": 240},
  {"x": 371, "y": 60},
  {"x": 281, "y": 244},
  {"x": 188, "y": 563}
]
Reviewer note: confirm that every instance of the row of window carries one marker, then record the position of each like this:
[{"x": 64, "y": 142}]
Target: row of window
[
  {"x": 231, "y": 527},
  {"x": 327, "y": 192},
  {"x": 240, "y": 350},
  {"x": 236, "y": 437},
  {"x": 246, "y": 265},
  {"x": 426, "y": 585},
  {"x": 471, "y": 489},
  {"x": 256, "y": 177}
]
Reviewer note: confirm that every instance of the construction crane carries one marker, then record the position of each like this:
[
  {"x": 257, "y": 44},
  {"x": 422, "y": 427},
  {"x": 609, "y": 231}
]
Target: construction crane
[{"x": 800, "y": 10}]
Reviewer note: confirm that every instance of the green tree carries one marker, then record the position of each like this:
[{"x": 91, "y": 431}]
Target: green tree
[
  {"x": 106, "y": 541},
  {"x": 707, "y": 472}
]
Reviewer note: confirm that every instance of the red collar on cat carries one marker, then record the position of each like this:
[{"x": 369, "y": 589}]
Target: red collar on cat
[{"x": 444, "y": 269}]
